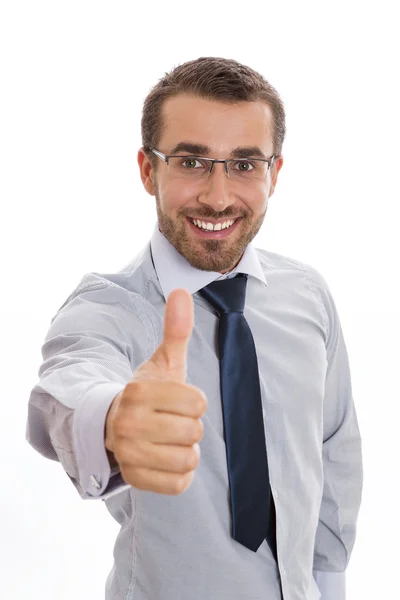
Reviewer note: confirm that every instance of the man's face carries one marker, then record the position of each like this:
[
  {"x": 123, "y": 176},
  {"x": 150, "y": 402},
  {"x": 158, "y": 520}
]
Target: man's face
[{"x": 221, "y": 128}]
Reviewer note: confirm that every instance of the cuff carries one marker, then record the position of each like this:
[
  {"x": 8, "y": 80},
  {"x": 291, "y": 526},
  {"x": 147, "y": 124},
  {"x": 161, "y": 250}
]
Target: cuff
[
  {"x": 331, "y": 584},
  {"x": 88, "y": 438}
]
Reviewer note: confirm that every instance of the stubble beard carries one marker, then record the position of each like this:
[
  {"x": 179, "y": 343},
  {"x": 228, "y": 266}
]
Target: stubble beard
[{"x": 207, "y": 255}]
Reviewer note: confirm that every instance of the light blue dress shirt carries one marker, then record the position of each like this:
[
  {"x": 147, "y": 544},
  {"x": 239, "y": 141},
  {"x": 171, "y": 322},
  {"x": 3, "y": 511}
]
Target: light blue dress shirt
[{"x": 171, "y": 547}]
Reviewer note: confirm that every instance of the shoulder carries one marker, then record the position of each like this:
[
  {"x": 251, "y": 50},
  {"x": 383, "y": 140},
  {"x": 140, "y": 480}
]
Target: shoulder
[
  {"x": 128, "y": 287},
  {"x": 288, "y": 273},
  {"x": 273, "y": 262}
]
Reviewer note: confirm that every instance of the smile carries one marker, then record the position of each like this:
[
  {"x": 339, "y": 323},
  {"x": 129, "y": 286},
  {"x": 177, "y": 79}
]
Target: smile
[{"x": 208, "y": 230}]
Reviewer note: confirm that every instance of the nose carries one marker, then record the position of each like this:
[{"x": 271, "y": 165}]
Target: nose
[{"x": 215, "y": 189}]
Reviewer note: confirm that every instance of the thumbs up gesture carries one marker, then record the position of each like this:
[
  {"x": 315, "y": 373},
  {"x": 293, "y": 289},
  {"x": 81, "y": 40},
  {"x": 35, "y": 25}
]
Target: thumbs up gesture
[{"x": 153, "y": 425}]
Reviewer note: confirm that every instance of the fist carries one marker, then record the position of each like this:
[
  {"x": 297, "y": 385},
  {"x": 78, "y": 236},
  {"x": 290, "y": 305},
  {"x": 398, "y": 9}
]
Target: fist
[{"x": 153, "y": 425}]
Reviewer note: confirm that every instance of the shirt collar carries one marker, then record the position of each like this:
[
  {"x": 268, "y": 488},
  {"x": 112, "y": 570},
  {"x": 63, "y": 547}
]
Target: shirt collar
[{"x": 174, "y": 271}]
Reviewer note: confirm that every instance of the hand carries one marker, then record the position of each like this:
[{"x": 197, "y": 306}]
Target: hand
[{"x": 153, "y": 425}]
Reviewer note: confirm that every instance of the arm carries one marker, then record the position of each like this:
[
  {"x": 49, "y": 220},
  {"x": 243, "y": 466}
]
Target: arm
[
  {"x": 88, "y": 359},
  {"x": 342, "y": 463}
]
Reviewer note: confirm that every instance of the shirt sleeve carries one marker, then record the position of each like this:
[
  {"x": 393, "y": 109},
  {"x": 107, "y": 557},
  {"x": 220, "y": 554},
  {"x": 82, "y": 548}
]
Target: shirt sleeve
[
  {"x": 342, "y": 464},
  {"x": 332, "y": 586},
  {"x": 95, "y": 342}
]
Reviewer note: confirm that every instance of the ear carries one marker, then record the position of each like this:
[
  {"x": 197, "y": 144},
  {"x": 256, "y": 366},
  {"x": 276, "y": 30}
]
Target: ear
[
  {"x": 146, "y": 172},
  {"x": 276, "y": 167}
]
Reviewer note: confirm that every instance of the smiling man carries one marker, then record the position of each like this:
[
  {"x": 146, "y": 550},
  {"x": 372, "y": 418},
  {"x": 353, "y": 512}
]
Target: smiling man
[
  {"x": 203, "y": 324},
  {"x": 186, "y": 191}
]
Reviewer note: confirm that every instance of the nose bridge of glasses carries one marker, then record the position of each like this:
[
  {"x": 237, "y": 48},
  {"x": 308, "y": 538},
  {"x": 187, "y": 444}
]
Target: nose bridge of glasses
[{"x": 217, "y": 160}]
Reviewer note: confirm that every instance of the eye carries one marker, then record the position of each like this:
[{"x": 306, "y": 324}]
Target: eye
[
  {"x": 243, "y": 165},
  {"x": 190, "y": 162}
]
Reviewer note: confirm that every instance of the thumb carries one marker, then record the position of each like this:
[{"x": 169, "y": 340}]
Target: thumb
[{"x": 170, "y": 356}]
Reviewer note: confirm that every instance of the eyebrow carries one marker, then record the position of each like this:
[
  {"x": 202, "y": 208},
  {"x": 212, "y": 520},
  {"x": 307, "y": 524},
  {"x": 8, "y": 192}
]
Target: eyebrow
[{"x": 203, "y": 150}]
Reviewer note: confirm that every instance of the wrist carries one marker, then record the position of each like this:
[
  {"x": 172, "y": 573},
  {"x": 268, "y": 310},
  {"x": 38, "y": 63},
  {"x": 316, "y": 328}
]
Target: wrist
[{"x": 108, "y": 425}]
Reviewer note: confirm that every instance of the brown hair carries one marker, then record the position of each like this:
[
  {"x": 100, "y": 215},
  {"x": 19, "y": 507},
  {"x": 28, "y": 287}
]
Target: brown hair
[{"x": 215, "y": 78}]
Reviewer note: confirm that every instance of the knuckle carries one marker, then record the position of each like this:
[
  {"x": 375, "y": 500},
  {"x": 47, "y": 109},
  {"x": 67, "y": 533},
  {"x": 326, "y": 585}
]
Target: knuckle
[
  {"x": 179, "y": 484},
  {"x": 192, "y": 460},
  {"x": 197, "y": 431},
  {"x": 201, "y": 403},
  {"x": 135, "y": 390},
  {"x": 191, "y": 433},
  {"x": 179, "y": 461},
  {"x": 199, "y": 409}
]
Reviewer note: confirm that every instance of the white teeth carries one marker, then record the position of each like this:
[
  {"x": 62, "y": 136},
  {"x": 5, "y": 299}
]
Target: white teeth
[{"x": 211, "y": 227}]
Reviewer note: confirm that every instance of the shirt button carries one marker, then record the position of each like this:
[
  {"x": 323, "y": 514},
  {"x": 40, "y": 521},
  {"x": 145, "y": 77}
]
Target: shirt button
[{"x": 94, "y": 482}]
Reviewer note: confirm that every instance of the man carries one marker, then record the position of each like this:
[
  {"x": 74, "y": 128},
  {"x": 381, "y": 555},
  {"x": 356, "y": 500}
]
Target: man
[{"x": 136, "y": 370}]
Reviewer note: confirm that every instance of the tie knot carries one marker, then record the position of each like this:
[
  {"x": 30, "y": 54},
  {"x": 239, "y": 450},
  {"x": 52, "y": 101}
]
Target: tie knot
[{"x": 226, "y": 295}]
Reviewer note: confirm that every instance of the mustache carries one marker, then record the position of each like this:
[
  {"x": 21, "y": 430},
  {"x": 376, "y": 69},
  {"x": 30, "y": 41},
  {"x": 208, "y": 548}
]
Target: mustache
[{"x": 215, "y": 216}]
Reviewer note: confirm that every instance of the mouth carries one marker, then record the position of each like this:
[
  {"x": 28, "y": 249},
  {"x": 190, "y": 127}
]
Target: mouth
[{"x": 212, "y": 234}]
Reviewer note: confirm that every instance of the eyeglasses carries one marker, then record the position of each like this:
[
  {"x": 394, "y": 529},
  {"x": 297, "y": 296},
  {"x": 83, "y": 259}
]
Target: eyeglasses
[{"x": 197, "y": 167}]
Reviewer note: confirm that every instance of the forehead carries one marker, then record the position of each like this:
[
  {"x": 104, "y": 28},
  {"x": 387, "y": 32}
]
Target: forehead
[{"x": 219, "y": 125}]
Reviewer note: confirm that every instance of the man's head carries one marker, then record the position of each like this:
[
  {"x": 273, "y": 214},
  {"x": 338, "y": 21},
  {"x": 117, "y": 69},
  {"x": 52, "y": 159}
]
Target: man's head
[{"x": 213, "y": 108}]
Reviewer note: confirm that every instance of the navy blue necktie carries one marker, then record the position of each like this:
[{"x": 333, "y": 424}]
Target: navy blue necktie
[{"x": 251, "y": 501}]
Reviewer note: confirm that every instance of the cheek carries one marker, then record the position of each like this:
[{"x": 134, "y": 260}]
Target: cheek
[
  {"x": 174, "y": 195},
  {"x": 262, "y": 195},
  {"x": 257, "y": 201}
]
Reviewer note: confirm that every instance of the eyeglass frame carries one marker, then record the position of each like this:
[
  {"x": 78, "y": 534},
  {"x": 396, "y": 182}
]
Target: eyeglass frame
[{"x": 166, "y": 157}]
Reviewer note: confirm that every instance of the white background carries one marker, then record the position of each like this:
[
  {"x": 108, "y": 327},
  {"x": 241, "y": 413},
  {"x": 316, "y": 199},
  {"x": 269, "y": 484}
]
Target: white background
[{"x": 73, "y": 78}]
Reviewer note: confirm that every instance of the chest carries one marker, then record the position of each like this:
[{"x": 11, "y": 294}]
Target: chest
[{"x": 291, "y": 355}]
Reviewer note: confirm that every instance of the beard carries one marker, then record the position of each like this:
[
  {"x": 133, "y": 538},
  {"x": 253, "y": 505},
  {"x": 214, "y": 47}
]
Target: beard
[{"x": 208, "y": 255}]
